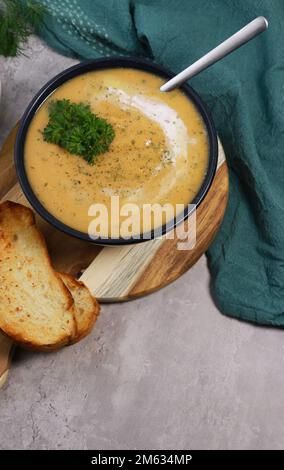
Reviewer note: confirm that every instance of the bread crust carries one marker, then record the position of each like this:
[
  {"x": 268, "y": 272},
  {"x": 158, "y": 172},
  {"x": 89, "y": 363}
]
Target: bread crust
[{"x": 85, "y": 320}]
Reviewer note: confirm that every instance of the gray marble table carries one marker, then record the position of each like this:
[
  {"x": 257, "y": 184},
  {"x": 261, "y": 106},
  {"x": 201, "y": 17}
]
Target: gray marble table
[{"x": 165, "y": 372}]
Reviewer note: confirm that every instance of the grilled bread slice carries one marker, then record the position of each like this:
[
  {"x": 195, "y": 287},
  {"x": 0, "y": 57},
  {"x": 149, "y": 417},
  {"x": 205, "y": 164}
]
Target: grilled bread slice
[
  {"x": 86, "y": 307},
  {"x": 36, "y": 308}
]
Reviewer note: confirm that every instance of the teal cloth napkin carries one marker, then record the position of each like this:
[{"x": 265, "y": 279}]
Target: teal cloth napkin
[{"x": 245, "y": 92}]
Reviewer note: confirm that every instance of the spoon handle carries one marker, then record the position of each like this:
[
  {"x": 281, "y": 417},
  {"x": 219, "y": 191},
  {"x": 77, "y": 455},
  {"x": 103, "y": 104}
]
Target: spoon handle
[{"x": 252, "y": 29}]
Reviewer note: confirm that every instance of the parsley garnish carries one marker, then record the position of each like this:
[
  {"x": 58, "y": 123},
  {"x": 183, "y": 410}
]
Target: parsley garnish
[{"x": 75, "y": 128}]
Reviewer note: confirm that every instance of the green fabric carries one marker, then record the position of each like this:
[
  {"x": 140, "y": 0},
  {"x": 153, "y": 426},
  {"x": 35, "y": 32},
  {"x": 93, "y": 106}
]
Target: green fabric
[{"x": 245, "y": 92}]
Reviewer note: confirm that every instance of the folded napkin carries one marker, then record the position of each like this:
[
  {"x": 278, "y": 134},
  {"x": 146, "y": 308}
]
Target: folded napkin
[{"x": 245, "y": 92}]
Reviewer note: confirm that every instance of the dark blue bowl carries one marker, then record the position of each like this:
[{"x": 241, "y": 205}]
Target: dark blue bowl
[{"x": 130, "y": 62}]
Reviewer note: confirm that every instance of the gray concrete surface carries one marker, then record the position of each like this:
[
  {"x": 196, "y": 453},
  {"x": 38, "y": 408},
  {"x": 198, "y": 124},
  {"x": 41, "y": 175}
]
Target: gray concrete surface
[{"x": 164, "y": 372}]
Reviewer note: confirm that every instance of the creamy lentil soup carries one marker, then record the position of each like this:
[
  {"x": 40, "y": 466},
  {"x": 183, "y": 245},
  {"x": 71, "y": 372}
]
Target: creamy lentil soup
[{"x": 159, "y": 153}]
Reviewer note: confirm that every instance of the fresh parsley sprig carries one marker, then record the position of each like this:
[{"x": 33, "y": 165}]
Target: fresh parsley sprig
[{"x": 78, "y": 130}]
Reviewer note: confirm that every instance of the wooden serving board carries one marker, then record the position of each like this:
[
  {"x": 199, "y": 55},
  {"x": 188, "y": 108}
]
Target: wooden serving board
[{"x": 119, "y": 273}]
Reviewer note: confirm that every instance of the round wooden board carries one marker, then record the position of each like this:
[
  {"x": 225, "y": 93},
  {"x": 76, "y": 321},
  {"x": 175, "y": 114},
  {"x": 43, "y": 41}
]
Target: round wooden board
[{"x": 123, "y": 273}]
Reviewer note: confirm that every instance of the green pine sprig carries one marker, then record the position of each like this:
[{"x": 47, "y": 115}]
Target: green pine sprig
[
  {"x": 78, "y": 130},
  {"x": 18, "y": 21}
]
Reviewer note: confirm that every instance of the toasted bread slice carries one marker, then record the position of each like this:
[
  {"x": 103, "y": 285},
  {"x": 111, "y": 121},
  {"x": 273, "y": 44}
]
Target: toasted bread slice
[
  {"x": 86, "y": 307},
  {"x": 36, "y": 308}
]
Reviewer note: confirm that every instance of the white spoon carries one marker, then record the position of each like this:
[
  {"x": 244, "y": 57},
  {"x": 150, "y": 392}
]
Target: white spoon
[{"x": 245, "y": 34}]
